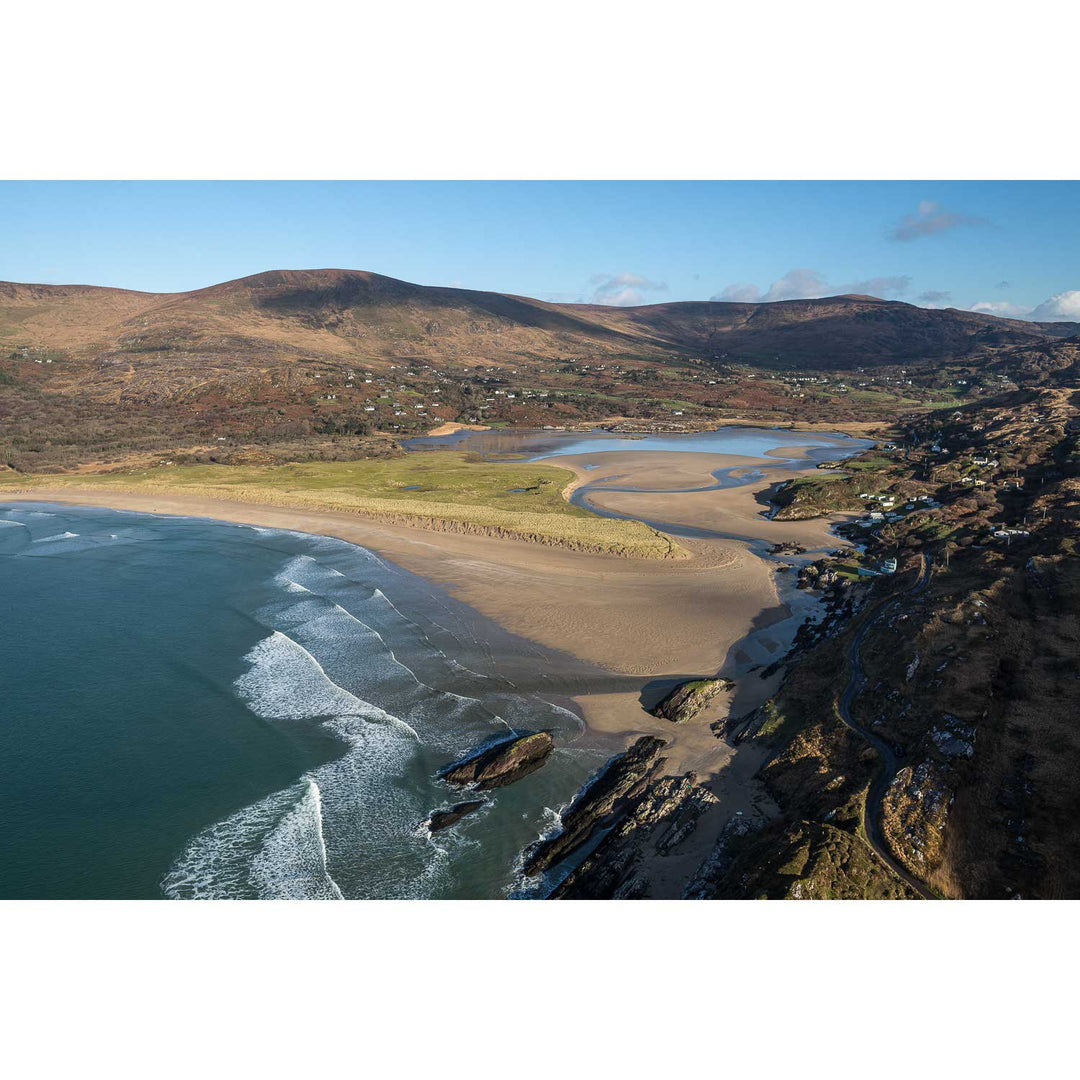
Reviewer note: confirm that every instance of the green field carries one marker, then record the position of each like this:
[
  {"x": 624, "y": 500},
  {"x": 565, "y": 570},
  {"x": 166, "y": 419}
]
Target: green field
[{"x": 443, "y": 490}]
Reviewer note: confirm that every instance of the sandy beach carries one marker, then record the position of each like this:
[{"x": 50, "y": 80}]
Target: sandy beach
[{"x": 658, "y": 621}]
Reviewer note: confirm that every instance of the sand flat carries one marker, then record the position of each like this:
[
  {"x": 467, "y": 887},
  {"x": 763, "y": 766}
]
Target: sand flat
[
  {"x": 662, "y": 470},
  {"x": 729, "y": 510},
  {"x": 740, "y": 511}
]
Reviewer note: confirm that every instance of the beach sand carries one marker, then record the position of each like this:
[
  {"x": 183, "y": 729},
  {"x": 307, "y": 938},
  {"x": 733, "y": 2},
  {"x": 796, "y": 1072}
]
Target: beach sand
[
  {"x": 662, "y": 470},
  {"x": 657, "y": 621},
  {"x": 738, "y": 511},
  {"x": 451, "y": 427}
]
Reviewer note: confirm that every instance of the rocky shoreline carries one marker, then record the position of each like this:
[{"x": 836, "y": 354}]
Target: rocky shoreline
[
  {"x": 654, "y": 822},
  {"x": 624, "y": 776}
]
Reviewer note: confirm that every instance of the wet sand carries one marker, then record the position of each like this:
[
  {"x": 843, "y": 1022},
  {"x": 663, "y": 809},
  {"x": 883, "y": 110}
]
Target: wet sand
[
  {"x": 737, "y": 511},
  {"x": 661, "y": 470}
]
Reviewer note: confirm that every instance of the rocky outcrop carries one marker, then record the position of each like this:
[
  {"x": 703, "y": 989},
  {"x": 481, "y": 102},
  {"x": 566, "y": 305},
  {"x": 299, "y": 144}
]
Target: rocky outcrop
[
  {"x": 655, "y": 824},
  {"x": 687, "y": 700},
  {"x": 502, "y": 764},
  {"x": 710, "y": 873},
  {"x": 443, "y": 819},
  {"x": 625, "y": 776},
  {"x": 818, "y": 575},
  {"x": 787, "y": 547}
]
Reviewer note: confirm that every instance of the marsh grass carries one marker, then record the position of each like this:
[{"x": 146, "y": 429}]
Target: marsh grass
[{"x": 441, "y": 491}]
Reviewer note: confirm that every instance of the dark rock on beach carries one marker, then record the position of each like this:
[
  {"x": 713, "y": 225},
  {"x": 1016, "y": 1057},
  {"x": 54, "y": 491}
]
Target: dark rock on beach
[
  {"x": 623, "y": 866},
  {"x": 504, "y": 763},
  {"x": 625, "y": 776},
  {"x": 787, "y": 547},
  {"x": 443, "y": 819},
  {"x": 687, "y": 700}
]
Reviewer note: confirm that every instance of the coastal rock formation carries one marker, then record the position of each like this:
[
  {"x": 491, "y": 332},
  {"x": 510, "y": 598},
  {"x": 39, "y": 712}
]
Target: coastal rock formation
[
  {"x": 624, "y": 776},
  {"x": 687, "y": 700},
  {"x": 819, "y": 575},
  {"x": 443, "y": 819},
  {"x": 502, "y": 764},
  {"x": 656, "y": 823},
  {"x": 787, "y": 547},
  {"x": 707, "y": 877}
]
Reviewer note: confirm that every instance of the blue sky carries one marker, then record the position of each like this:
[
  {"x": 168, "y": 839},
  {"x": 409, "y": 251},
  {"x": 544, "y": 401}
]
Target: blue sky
[{"x": 1009, "y": 247}]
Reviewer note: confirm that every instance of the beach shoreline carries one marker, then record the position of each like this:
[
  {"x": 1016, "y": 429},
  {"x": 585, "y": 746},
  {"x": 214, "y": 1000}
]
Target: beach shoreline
[{"x": 656, "y": 621}]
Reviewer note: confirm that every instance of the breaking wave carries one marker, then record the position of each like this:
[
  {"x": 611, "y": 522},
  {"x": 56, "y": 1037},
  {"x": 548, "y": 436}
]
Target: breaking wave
[
  {"x": 272, "y": 850},
  {"x": 57, "y": 536},
  {"x": 345, "y": 829},
  {"x": 353, "y": 678}
]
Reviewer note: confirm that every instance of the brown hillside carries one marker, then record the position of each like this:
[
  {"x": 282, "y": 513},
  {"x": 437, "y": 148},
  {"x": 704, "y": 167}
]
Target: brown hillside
[
  {"x": 834, "y": 332},
  {"x": 363, "y": 317},
  {"x": 94, "y": 374}
]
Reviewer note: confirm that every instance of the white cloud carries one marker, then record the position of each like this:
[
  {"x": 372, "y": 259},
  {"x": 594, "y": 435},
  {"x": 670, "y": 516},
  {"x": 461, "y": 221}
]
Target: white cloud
[
  {"x": 886, "y": 287},
  {"x": 801, "y": 284},
  {"x": 805, "y": 284},
  {"x": 1062, "y": 307},
  {"x": 929, "y": 219},
  {"x": 739, "y": 292},
  {"x": 1006, "y": 309},
  {"x": 622, "y": 290}
]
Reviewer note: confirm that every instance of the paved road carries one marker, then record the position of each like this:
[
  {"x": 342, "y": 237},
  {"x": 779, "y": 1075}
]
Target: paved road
[{"x": 886, "y": 752}]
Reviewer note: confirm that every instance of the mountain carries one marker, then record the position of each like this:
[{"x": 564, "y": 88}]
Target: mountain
[
  {"x": 1056, "y": 362},
  {"x": 284, "y": 315},
  {"x": 360, "y": 317},
  {"x": 91, "y": 374},
  {"x": 831, "y": 333}
]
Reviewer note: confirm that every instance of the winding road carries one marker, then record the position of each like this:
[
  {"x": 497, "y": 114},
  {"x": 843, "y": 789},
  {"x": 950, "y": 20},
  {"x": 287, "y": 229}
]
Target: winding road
[{"x": 855, "y": 685}]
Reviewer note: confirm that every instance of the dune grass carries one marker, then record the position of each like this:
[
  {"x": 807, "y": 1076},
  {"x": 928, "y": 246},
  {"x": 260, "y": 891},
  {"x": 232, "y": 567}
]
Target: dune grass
[{"x": 444, "y": 491}]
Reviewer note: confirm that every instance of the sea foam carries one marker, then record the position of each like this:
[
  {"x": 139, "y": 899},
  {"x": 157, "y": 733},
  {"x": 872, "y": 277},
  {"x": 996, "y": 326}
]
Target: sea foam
[
  {"x": 345, "y": 829},
  {"x": 333, "y": 662}
]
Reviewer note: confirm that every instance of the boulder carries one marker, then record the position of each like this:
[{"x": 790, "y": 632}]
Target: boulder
[
  {"x": 787, "y": 547},
  {"x": 502, "y": 764},
  {"x": 443, "y": 819},
  {"x": 688, "y": 699}
]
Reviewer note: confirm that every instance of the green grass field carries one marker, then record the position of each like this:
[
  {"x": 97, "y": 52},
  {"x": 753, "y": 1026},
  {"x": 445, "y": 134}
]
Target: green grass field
[{"x": 441, "y": 490}]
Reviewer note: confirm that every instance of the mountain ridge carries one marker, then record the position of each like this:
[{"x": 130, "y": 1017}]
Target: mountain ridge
[{"x": 391, "y": 317}]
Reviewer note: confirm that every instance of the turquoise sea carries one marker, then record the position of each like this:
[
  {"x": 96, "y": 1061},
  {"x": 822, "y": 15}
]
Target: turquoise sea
[{"x": 199, "y": 709}]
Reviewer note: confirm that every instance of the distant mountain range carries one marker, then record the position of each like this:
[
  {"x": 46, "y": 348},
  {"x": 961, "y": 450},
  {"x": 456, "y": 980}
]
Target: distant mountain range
[{"x": 360, "y": 317}]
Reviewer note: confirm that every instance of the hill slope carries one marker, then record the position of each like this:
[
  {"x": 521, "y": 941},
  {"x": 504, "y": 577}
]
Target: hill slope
[
  {"x": 95, "y": 374},
  {"x": 362, "y": 317},
  {"x": 834, "y": 332}
]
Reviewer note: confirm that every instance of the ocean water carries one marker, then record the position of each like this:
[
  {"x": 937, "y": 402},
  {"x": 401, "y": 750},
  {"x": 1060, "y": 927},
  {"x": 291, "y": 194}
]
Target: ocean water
[{"x": 198, "y": 709}]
